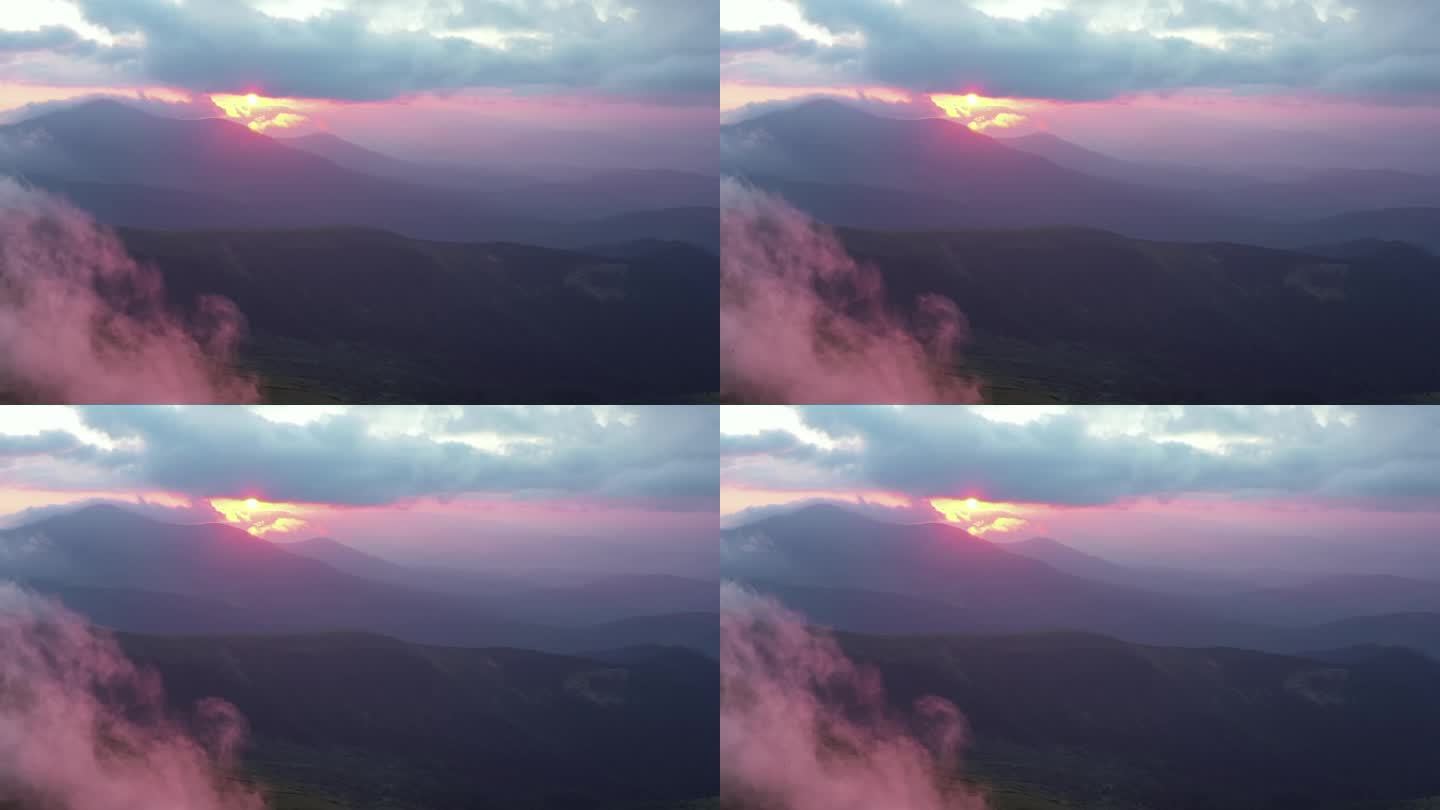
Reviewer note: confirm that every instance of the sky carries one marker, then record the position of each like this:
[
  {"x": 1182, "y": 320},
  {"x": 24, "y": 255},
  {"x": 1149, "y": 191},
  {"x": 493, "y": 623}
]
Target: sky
[
  {"x": 1331, "y": 81},
  {"x": 478, "y": 80},
  {"x": 1338, "y": 489},
  {"x": 500, "y": 487}
]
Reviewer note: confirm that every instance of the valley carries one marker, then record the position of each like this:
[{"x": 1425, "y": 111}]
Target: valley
[{"x": 1085, "y": 278}]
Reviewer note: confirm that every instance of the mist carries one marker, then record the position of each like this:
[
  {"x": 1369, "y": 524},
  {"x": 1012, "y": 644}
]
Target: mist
[
  {"x": 83, "y": 728},
  {"x": 802, "y": 727},
  {"x": 802, "y": 321},
  {"x": 81, "y": 321}
]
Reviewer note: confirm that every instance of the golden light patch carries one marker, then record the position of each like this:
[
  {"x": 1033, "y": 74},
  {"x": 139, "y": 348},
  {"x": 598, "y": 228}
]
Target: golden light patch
[
  {"x": 259, "y": 517},
  {"x": 260, "y": 113},
  {"x": 980, "y": 112},
  {"x": 1004, "y": 120},
  {"x": 980, "y": 517}
]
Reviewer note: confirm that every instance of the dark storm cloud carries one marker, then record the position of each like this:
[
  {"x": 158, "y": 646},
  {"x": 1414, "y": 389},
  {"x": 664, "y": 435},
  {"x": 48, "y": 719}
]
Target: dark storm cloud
[
  {"x": 656, "y": 457},
  {"x": 1386, "y": 49},
  {"x": 49, "y": 38},
  {"x": 769, "y": 38},
  {"x": 1375, "y": 454},
  {"x": 770, "y": 442},
  {"x": 53, "y": 443},
  {"x": 662, "y": 50}
]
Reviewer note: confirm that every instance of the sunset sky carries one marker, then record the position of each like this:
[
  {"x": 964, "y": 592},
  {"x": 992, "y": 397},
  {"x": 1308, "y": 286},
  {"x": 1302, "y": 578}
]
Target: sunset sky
[
  {"x": 1224, "y": 487},
  {"x": 458, "y": 79},
  {"x": 1161, "y": 79},
  {"x": 500, "y": 486}
]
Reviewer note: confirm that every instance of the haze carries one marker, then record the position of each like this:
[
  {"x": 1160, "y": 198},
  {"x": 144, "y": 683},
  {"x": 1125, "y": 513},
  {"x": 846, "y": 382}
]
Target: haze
[
  {"x": 598, "y": 85},
  {"x": 1342, "y": 490},
  {"x": 1315, "y": 83},
  {"x": 517, "y": 489}
]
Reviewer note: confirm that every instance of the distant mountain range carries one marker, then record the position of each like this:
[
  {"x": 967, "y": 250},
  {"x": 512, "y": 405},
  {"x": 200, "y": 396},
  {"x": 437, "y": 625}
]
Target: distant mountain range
[
  {"x": 830, "y": 158},
  {"x": 1313, "y": 193},
  {"x": 854, "y": 573},
  {"x": 131, "y": 168},
  {"x": 1088, "y": 683},
  {"x": 130, "y": 573},
  {"x": 542, "y": 290}
]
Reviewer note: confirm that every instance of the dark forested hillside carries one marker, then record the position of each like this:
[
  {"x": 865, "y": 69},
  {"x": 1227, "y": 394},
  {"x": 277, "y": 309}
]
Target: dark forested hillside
[{"x": 375, "y": 722}]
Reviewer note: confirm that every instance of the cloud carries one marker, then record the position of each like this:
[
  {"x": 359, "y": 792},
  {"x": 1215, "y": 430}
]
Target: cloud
[
  {"x": 81, "y": 321},
  {"x": 1110, "y": 49},
  {"x": 83, "y": 726},
  {"x": 663, "y": 50},
  {"x": 803, "y": 727},
  {"x": 802, "y": 321},
  {"x": 656, "y": 457},
  {"x": 49, "y": 443},
  {"x": 48, "y": 38},
  {"x": 1384, "y": 456}
]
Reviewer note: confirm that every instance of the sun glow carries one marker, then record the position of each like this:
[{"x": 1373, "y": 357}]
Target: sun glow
[
  {"x": 980, "y": 517},
  {"x": 979, "y": 112},
  {"x": 261, "y": 113},
  {"x": 259, "y": 517}
]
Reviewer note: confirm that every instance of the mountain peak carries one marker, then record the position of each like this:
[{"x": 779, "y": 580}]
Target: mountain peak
[
  {"x": 103, "y": 108},
  {"x": 318, "y": 542},
  {"x": 823, "y": 511},
  {"x": 1043, "y": 543},
  {"x": 96, "y": 512},
  {"x": 827, "y": 111}
]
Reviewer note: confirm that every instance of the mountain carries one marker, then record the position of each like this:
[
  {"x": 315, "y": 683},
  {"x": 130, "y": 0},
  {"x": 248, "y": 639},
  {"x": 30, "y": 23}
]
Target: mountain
[
  {"x": 1088, "y": 721},
  {"x": 822, "y": 140},
  {"x": 379, "y": 722},
  {"x": 1338, "y": 191},
  {"x": 361, "y": 315},
  {"x": 848, "y": 167},
  {"x": 107, "y": 142},
  {"x": 452, "y": 580},
  {"x": 1418, "y": 631},
  {"x": 1153, "y": 578},
  {"x": 1073, "y": 156},
  {"x": 934, "y": 578},
  {"x": 1335, "y": 597},
  {"x": 592, "y": 194},
  {"x": 860, "y": 610},
  {"x": 977, "y": 180},
  {"x": 142, "y": 611},
  {"x": 1061, "y": 557},
  {"x": 1414, "y": 225},
  {"x": 1309, "y": 194},
  {"x": 115, "y": 160},
  {"x": 603, "y": 599},
  {"x": 341, "y": 557},
  {"x": 1089, "y": 316},
  {"x": 121, "y": 570},
  {"x": 148, "y": 206},
  {"x": 812, "y": 557},
  {"x": 352, "y": 156},
  {"x": 612, "y": 193},
  {"x": 692, "y": 225},
  {"x": 616, "y": 597},
  {"x": 693, "y": 630},
  {"x": 107, "y": 546}
]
